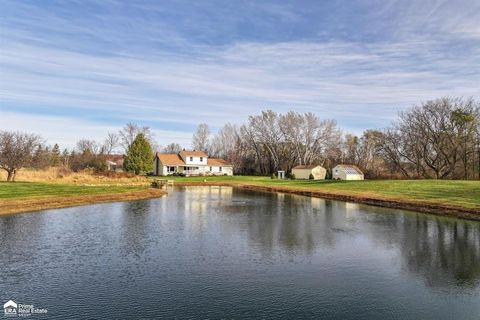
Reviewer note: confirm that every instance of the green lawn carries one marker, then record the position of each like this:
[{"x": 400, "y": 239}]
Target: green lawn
[
  {"x": 13, "y": 190},
  {"x": 446, "y": 192},
  {"x": 457, "y": 193}
]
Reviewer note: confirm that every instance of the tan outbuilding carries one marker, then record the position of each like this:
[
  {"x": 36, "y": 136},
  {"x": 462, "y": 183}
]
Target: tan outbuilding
[
  {"x": 347, "y": 172},
  {"x": 304, "y": 171}
]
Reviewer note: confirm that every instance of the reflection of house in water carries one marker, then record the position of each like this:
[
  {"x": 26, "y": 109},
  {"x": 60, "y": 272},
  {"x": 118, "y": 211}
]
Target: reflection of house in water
[
  {"x": 351, "y": 209},
  {"x": 198, "y": 200},
  {"x": 317, "y": 203}
]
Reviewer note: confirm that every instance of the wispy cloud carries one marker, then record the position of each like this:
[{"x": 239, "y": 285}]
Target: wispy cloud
[{"x": 171, "y": 79}]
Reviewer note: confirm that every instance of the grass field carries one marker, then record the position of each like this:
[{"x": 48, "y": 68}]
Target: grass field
[
  {"x": 459, "y": 193},
  {"x": 29, "y": 196},
  {"x": 36, "y": 189}
]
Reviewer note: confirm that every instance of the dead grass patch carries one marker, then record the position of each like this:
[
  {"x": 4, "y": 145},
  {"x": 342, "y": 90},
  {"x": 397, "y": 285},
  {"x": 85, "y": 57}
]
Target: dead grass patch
[{"x": 62, "y": 175}]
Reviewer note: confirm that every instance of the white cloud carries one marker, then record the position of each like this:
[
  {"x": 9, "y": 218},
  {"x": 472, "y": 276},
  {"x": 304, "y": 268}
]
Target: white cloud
[
  {"x": 432, "y": 51},
  {"x": 67, "y": 131}
]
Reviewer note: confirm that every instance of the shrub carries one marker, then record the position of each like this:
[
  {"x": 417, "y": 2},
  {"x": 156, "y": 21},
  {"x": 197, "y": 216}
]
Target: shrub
[
  {"x": 292, "y": 176},
  {"x": 178, "y": 174},
  {"x": 273, "y": 176},
  {"x": 311, "y": 177}
]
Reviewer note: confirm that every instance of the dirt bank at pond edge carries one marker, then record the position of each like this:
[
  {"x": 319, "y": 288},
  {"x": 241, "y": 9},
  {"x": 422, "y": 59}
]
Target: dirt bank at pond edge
[
  {"x": 437, "y": 209},
  {"x": 56, "y": 202}
]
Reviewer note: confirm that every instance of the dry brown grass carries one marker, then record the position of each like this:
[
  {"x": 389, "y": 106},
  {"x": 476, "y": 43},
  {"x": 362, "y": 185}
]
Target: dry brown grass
[{"x": 62, "y": 175}]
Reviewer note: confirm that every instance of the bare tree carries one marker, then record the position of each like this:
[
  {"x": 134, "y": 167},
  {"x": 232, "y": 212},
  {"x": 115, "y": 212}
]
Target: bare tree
[
  {"x": 172, "y": 148},
  {"x": 16, "y": 151},
  {"x": 223, "y": 144},
  {"x": 436, "y": 139},
  {"x": 130, "y": 131},
  {"x": 88, "y": 146},
  {"x": 200, "y": 139},
  {"x": 111, "y": 142}
]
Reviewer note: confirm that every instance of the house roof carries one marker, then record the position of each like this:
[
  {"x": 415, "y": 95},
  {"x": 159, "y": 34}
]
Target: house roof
[
  {"x": 349, "y": 168},
  {"x": 307, "y": 166},
  {"x": 170, "y": 159},
  {"x": 116, "y": 158},
  {"x": 192, "y": 153},
  {"x": 218, "y": 162},
  {"x": 173, "y": 159}
]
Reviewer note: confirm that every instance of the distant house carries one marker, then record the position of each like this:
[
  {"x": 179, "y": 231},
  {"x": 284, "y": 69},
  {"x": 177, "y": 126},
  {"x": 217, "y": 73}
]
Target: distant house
[
  {"x": 114, "y": 162},
  {"x": 189, "y": 163},
  {"x": 304, "y": 172},
  {"x": 347, "y": 172}
]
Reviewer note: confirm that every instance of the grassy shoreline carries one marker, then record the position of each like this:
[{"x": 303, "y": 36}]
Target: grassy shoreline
[
  {"x": 20, "y": 197},
  {"x": 447, "y": 198},
  {"x": 459, "y": 199}
]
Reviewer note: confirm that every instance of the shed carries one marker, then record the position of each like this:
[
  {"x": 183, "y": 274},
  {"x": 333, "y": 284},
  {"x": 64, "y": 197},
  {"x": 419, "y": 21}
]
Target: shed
[
  {"x": 347, "y": 172},
  {"x": 304, "y": 172}
]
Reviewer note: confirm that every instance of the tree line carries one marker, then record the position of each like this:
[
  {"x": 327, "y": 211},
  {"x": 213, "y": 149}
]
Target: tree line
[
  {"x": 20, "y": 149},
  {"x": 438, "y": 139}
]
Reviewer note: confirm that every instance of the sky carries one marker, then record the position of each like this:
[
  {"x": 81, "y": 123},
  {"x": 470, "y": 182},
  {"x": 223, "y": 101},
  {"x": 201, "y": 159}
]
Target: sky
[{"x": 79, "y": 69}]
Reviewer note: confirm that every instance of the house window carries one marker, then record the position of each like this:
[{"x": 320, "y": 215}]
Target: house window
[
  {"x": 191, "y": 158},
  {"x": 201, "y": 159},
  {"x": 170, "y": 169},
  {"x": 220, "y": 169},
  {"x": 210, "y": 168}
]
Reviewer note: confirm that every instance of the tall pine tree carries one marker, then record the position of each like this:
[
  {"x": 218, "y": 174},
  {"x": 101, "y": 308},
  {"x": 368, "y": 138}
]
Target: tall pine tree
[
  {"x": 139, "y": 157},
  {"x": 55, "y": 155}
]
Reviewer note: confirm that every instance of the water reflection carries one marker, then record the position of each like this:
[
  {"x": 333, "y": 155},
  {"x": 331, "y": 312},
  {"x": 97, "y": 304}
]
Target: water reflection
[
  {"x": 442, "y": 251},
  {"x": 218, "y": 252}
]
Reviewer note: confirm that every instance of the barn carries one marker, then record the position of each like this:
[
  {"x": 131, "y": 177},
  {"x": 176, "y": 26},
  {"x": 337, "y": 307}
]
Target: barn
[{"x": 304, "y": 172}]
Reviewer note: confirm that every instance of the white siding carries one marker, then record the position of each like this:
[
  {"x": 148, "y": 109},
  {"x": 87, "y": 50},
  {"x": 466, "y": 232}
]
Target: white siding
[
  {"x": 341, "y": 174},
  {"x": 190, "y": 160}
]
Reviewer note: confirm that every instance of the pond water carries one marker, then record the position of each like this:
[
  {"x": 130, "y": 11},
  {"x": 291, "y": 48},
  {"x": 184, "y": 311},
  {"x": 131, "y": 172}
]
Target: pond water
[{"x": 218, "y": 252}]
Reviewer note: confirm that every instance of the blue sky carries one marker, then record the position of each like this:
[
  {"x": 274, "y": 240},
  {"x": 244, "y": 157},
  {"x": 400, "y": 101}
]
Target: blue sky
[{"x": 78, "y": 69}]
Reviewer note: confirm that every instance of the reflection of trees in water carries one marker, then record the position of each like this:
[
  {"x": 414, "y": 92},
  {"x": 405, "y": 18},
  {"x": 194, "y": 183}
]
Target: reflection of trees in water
[
  {"x": 135, "y": 228},
  {"x": 443, "y": 252},
  {"x": 295, "y": 224}
]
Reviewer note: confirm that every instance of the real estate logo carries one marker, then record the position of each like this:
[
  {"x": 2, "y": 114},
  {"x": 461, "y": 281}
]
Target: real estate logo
[{"x": 11, "y": 308}]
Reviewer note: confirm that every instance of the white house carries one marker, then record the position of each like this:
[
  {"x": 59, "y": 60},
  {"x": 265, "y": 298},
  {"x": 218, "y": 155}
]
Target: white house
[
  {"x": 304, "y": 172},
  {"x": 190, "y": 163},
  {"x": 347, "y": 172}
]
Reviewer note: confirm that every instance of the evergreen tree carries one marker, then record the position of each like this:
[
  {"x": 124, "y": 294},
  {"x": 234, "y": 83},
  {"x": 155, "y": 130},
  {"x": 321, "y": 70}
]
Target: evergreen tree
[
  {"x": 139, "y": 157},
  {"x": 55, "y": 155},
  {"x": 65, "y": 157},
  {"x": 41, "y": 158}
]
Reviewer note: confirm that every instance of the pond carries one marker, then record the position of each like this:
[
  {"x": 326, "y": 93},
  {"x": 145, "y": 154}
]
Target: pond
[{"x": 218, "y": 252}]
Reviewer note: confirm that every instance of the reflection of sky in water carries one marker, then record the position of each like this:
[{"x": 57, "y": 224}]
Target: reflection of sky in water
[{"x": 216, "y": 251}]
